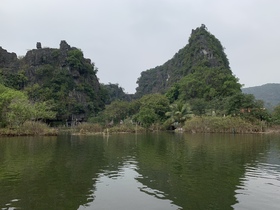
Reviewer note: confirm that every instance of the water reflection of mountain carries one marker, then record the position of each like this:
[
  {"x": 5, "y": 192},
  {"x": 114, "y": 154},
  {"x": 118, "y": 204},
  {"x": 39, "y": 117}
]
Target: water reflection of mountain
[
  {"x": 197, "y": 172},
  {"x": 192, "y": 171}
]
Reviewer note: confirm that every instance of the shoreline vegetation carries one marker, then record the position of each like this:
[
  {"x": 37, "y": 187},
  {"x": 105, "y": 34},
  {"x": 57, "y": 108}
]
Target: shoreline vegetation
[{"x": 232, "y": 125}]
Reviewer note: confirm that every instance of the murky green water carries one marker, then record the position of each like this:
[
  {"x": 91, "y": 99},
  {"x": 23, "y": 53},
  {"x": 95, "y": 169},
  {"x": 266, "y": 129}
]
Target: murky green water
[{"x": 147, "y": 171}]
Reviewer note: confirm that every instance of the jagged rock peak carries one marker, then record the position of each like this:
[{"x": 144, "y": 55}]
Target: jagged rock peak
[
  {"x": 202, "y": 27},
  {"x": 64, "y": 45},
  {"x": 47, "y": 55}
]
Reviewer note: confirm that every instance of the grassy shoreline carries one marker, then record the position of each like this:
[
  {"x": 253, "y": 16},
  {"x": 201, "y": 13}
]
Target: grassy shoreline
[
  {"x": 195, "y": 125},
  {"x": 93, "y": 129}
]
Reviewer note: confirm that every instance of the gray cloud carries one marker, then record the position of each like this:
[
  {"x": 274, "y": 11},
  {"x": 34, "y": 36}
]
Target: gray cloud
[{"x": 126, "y": 37}]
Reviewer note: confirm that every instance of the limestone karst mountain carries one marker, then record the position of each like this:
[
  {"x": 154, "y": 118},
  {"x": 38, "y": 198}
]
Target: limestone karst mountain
[
  {"x": 202, "y": 50},
  {"x": 62, "y": 77}
]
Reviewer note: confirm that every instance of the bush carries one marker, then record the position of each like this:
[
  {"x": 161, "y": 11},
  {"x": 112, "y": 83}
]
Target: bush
[
  {"x": 220, "y": 125},
  {"x": 37, "y": 128}
]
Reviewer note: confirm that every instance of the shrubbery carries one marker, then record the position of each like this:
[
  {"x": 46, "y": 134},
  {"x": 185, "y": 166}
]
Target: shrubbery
[
  {"x": 30, "y": 128},
  {"x": 221, "y": 125}
]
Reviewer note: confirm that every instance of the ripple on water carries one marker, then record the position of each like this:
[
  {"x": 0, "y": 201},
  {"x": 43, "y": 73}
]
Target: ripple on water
[
  {"x": 260, "y": 188},
  {"x": 11, "y": 205},
  {"x": 121, "y": 189}
]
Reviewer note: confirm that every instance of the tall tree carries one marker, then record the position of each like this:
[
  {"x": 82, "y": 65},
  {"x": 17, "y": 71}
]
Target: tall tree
[{"x": 16, "y": 108}]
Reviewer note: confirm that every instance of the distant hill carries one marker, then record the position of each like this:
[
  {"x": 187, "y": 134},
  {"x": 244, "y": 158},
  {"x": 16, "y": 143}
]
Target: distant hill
[{"x": 269, "y": 93}]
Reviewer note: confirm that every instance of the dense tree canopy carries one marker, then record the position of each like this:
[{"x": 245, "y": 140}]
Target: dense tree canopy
[
  {"x": 16, "y": 108},
  {"x": 208, "y": 83},
  {"x": 152, "y": 109}
]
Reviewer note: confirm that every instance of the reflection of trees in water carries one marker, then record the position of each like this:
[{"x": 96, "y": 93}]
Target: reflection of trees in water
[
  {"x": 194, "y": 171},
  {"x": 50, "y": 173},
  {"x": 197, "y": 171}
]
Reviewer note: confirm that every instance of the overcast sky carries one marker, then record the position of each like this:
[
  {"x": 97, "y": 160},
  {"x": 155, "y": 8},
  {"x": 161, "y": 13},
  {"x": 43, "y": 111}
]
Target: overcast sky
[{"x": 125, "y": 37}]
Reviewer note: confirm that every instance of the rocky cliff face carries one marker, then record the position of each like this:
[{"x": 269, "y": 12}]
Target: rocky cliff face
[
  {"x": 8, "y": 60},
  {"x": 203, "y": 50},
  {"x": 62, "y": 76}
]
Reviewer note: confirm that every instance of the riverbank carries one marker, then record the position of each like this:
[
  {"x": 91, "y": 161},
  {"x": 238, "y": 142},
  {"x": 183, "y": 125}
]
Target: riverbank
[
  {"x": 273, "y": 129},
  {"x": 93, "y": 129},
  {"x": 234, "y": 125}
]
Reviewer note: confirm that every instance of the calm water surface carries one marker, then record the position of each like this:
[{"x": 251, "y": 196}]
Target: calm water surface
[{"x": 147, "y": 171}]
